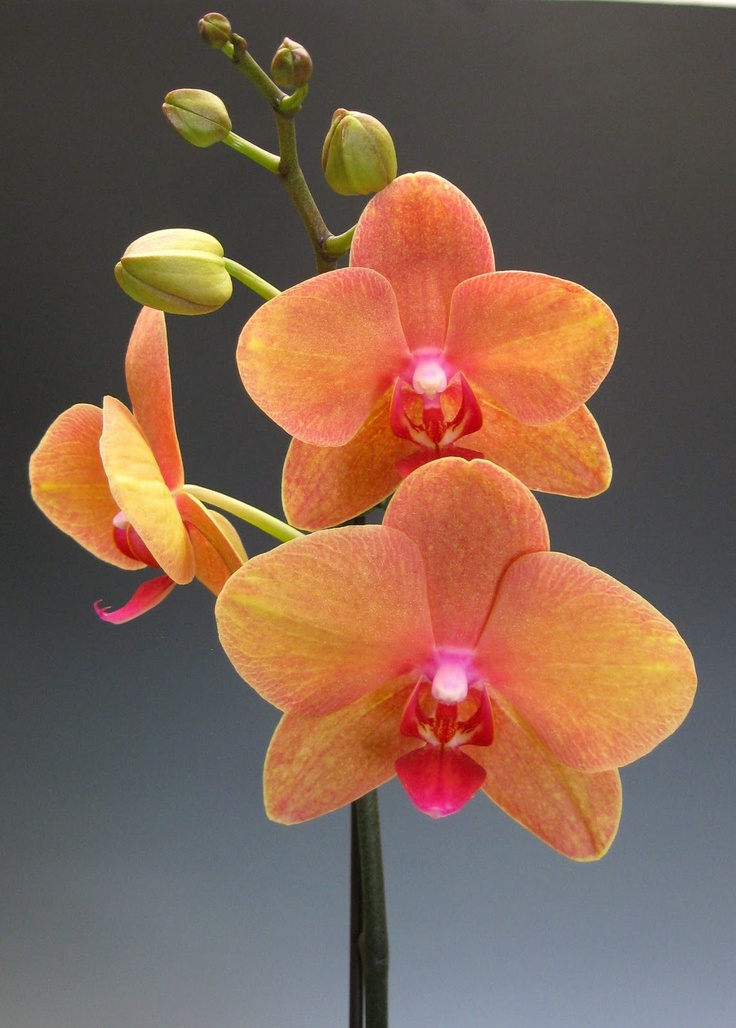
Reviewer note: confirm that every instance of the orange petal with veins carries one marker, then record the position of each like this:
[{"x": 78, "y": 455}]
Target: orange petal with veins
[
  {"x": 149, "y": 387},
  {"x": 317, "y": 357},
  {"x": 576, "y": 813},
  {"x": 141, "y": 493},
  {"x": 316, "y": 765},
  {"x": 324, "y": 619},
  {"x": 425, "y": 237},
  {"x": 69, "y": 483},
  {"x": 568, "y": 457},
  {"x": 599, "y": 675},
  {"x": 538, "y": 346},
  {"x": 470, "y": 520}
]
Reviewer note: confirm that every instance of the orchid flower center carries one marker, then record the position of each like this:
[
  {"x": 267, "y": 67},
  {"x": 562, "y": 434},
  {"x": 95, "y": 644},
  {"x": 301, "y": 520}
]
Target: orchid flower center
[
  {"x": 446, "y": 714},
  {"x": 429, "y": 378},
  {"x": 434, "y": 412}
]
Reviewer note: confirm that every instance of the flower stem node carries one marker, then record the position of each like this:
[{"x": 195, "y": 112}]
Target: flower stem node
[
  {"x": 215, "y": 30},
  {"x": 176, "y": 270},
  {"x": 291, "y": 67},
  {"x": 358, "y": 154},
  {"x": 198, "y": 116}
]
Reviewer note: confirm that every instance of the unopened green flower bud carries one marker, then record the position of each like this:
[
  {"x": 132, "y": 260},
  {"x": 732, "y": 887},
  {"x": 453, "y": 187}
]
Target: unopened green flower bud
[
  {"x": 291, "y": 67},
  {"x": 177, "y": 270},
  {"x": 215, "y": 29},
  {"x": 200, "y": 117},
  {"x": 358, "y": 155}
]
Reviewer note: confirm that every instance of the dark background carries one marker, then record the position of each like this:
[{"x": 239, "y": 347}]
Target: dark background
[{"x": 142, "y": 885}]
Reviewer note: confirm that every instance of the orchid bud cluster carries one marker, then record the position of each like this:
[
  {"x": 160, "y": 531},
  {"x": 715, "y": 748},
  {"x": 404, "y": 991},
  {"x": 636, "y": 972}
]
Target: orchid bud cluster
[{"x": 447, "y": 645}]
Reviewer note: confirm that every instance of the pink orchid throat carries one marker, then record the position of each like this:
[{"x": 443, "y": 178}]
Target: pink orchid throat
[
  {"x": 434, "y": 410},
  {"x": 448, "y": 712}
]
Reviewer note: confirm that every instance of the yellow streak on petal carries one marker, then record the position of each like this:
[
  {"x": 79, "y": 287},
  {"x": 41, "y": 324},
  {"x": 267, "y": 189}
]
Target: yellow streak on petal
[
  {"x": 218, "y": 551},
  {"x": 317, "y": 764},
  {"x": 568, "y": 457},
  {"x": 149, "y": 387},
  {"x": 538, "y": 346},
  {"x": 141, "y": 493},
  {"x": 576, "y": 813},
  {"x": 324, "y": 619},
  {"x": 599, "y": 674}
]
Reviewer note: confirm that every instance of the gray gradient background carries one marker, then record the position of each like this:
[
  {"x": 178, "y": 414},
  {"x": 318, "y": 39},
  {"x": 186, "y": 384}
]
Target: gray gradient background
[{"x": 141, "y": 883}]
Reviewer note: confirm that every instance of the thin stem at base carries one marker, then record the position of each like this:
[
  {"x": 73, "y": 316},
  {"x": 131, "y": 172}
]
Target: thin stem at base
[
  {"x": 374, "y": 941},
  {"x": 355, "y": 1004}
]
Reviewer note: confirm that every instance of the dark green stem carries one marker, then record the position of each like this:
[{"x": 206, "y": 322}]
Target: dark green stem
[
  {"x": 297, "y": 188},
  {"x": 374, "y": 939},
  {"x": 355, "y": 1005},
  {"x": 285, "y": 108}
]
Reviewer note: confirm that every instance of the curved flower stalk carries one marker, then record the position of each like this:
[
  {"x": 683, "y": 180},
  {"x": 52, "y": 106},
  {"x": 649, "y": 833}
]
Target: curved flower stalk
[
  {"x": 451, "y": 647},
  {"x": 112, "y": 479},
  {"x": 420, "y": 350}
]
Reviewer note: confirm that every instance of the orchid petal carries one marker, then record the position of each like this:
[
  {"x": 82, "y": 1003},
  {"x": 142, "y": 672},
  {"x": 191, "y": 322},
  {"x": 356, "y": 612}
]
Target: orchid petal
[
  {"x": 218, "y": 551},
  {"x": 576, "y": 813},
  {"x": 69, "y": 483},
  {"x": 469, "y": 520},
  {"x": 317, "y": 357},
  {"x": 439, "y": 780},
  {"x": 425, "y": 237},
  {"x": 149, "y": 387},
  {"x": 145, "y": 598},
  {"x": 324, "y": 486},
  {"x": 316, "y": 765},
  {"x": 599, "y": 674},
  {"x": 141, "y": 493},
  {"x": 568, "y": 457},
  {"x": 538, "y": 346},
  {"x": 324, "y": 619}
]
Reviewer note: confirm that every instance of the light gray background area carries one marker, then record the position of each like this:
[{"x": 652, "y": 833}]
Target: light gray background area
[{"x": 141, "y": 883}]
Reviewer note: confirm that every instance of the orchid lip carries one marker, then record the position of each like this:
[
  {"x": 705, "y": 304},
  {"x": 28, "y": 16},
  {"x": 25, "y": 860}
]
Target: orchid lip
[{"x": 434, "y": 432}]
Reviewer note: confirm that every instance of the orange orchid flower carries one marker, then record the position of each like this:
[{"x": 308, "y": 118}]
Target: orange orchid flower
[
  {"x": 451, "y": 647},
  {"x": 112, "y": 479},
  {"x": 419, "y": 350}
]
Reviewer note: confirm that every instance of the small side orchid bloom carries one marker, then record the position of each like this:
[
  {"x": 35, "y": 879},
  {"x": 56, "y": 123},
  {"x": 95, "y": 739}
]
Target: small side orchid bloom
[
  {"x": 420, "y": 350},
  {"x": 112, "y": 479},
  {"x": 451, "y": 647}
]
